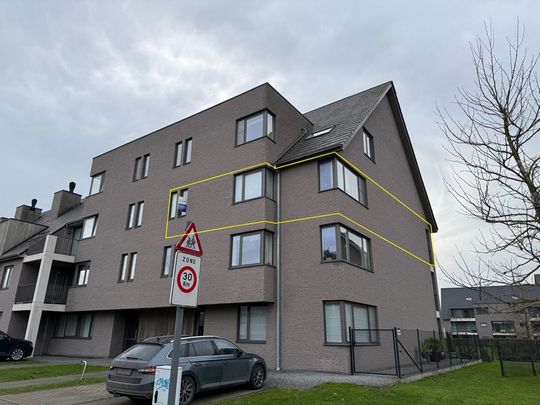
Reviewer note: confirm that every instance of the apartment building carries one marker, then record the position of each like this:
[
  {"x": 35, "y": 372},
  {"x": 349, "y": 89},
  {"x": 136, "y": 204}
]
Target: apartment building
[
  {"x": 311, "y": 223},
  {"x": 496, "y": 312}
]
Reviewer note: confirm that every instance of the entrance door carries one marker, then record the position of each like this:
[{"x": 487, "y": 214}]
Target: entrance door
[{"x": 131, "y": 334}]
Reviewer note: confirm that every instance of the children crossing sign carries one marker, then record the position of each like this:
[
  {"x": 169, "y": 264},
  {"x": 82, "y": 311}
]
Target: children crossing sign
[{"x": 190, "y": 242}]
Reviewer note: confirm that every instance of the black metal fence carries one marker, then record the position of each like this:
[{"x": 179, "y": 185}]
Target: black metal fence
[
  {"x": 515, "y": 356},
  {"x": 406, "y": 352}
]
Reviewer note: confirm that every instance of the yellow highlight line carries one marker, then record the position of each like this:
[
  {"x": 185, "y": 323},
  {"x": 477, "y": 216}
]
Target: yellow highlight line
[{"x": 262, "y": 164}]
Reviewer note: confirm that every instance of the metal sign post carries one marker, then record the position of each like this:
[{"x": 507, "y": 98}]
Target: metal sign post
[{"x": 184, "y": 293}]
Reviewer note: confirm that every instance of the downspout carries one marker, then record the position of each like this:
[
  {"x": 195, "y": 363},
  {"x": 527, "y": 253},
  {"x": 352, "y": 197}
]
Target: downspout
[{"x": 278, "y": 275}]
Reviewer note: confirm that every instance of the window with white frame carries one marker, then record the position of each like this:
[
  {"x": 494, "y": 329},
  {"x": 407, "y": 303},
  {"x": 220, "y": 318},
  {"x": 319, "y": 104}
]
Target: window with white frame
[
  {"x": 128, "y": 263},
  {"x": 89, "y": 227},
  {"x": 340, "y": 243},
  {"x": 135, "y": 215},
  {"x": 252, "y": 323},
  {"x": 334, "y": 174},
  {"x": 182, "y": 153},
  {"x": 178, "y": 206},
  {"x": 74, "y": 326},
  {"x": 6, "y": 277},
  {"x": 254, "y": 127},
  {"x": 342, "y": 316},
  {"x": 96, "y": 186},
  {"x": 187, "y": 151},
  {"x": 368, "y": 145},
  {"x": 166, "y": 262},
  {"x": 81, "y": 274},
  {"x": 141, "y": 168},
  {"x": 252, "y": 248},
  {"x": 254, "y": 184}
]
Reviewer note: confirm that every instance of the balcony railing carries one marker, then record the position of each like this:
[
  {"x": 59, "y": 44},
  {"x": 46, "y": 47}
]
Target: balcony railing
[
  {"x": 55, "y": 294},
  {"x": 64, "y": 246}
]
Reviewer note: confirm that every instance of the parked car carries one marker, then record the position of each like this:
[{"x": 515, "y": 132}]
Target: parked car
[
  {"x": 208, "y": 362},
  {"x": 13, "y": 348}
]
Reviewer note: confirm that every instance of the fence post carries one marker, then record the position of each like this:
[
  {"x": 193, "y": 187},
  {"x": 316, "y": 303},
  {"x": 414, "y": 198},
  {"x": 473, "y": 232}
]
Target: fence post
[
  {"x": 500, "y": 357},
  {"x": 476, "y": 348},
  {"x": 436, "y": 353},
  {"x": 531, "y": 356},
  {"x": 448, "y": 349},
  {"x": 396, "y": 352},
  {"x": 419, "y": 350},
  {"x": 353, "y": 360}
]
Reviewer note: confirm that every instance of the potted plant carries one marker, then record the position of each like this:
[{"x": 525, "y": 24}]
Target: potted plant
[{"x": 432, "y": 349}]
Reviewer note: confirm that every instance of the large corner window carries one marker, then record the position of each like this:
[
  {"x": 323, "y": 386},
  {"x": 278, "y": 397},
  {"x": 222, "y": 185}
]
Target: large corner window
[
  {"x": 178, "y": 203},
  {"x": 341, "y": 316},
  {"x": 254, "y": 127},
  {"x": 254, "y": 184},
  {"x": 89, "y": 227},
  {"x": 81, "y": 274},
  {"x": 252, "y": 323},
  {"x": 6, "y": 277},
  {"x": 503, "y": 327},
  {"x": 340, "y": 243},
  {"x": 253, "y": 248},
  {"x": 96, "y": 186},
  {"x": 334, "y": 174},
  {"x": 128, "y": 263},
  {"x": 74, "y": 326},
  {"x": 135, "y": 215},
  {"x": 369, "y": 150}
]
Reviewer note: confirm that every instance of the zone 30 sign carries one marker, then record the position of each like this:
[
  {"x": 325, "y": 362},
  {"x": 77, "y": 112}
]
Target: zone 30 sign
[{"x": 185, "y": 285}]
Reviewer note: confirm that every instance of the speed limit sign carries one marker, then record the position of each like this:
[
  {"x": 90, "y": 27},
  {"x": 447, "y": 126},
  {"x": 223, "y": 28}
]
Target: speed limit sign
[{"x": 185, "y": 285}]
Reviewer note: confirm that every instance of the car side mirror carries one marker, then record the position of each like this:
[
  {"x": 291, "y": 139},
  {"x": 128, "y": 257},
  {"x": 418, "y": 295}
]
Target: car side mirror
[{"x": 239, "y": 353}]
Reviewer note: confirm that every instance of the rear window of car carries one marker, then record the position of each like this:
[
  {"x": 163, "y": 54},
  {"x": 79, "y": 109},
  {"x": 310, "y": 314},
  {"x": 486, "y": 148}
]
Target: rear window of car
[{"x": 141, "y": 351}]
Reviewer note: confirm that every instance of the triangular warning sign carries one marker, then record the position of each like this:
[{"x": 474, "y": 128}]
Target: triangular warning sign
[{"x": 190, "y": 242}]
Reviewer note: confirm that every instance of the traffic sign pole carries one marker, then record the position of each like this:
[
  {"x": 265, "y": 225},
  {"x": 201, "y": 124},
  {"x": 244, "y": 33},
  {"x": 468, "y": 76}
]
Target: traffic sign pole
[{"x": 175, "y": 356}]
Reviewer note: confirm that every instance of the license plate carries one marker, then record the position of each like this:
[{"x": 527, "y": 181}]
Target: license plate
[{"x": 124, "y": 371}]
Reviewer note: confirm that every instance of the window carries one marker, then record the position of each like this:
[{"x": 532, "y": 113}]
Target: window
[
  {"x": 203, "y": 348},
  {"x": 187, "y": 155},
  {"x": 503, "y": 327},
  {"x": 481, "y": 310},
  {"x": 339, "y": 316},
  {"x": 166, "y": 263},
  {"x": 89, "y": 227},
  {"x": 352, "y": 247},
  {"x": 6, "y": 277},
  {"x": 252, "y": 323},
  {"x": 322, "y": 132},
  {"x": 73, "y": 326},
  {"x": 462, "y": 312},
  {"x": 334, "y": 174},
  {"x": 82, "y": 272},
  {"x": 178, "y": 207},
  {"x": 96, "y": 186},
  {"x": 128, "y": 263},
  {"x": 182, "y": 156},
  {"x": 142, "y": 165},
  {"x": 252, "y": 248},
  {"x": 463, "y": 327},
  {"x": 254, "y": 127},
  {"x": 368, "y": 145},
  {"x": 135, "y": 215},
  {"x": 254, "y": 184}
]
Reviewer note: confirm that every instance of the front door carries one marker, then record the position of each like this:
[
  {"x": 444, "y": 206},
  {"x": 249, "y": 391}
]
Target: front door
[
  {"x": 206, "y": 363},
  {"x": 198, "y": 327},
  {"x": 131, "y": 334}
]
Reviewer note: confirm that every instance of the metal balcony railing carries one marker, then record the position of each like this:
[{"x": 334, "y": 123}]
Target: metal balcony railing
[
  {"x": 55, "y": 294},
  {"x": 64, "y": 246}
]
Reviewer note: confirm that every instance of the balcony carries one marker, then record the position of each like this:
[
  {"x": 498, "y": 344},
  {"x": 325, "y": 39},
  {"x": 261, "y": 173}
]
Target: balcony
[
  {"x": 64, "y": 246},
  {"x": 55, "y": 294}
]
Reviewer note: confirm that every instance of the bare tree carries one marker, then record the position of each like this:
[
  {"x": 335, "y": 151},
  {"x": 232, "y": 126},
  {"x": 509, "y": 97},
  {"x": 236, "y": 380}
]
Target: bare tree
[{"x": 494, "y": 146}]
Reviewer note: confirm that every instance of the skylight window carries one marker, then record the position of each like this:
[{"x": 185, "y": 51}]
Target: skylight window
[{"x": 322, "y": 132}]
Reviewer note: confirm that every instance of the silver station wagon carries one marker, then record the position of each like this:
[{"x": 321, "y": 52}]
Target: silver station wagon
[{"x": 208, "y": 362}]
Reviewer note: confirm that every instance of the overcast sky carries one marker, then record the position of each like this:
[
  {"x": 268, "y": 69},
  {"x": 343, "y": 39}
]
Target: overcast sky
[{"x": 79, "y": 78}]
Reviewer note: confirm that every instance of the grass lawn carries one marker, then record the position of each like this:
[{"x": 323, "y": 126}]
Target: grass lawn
[
  {"x": 41, "y": 387},
  {"x": 44, "y": 370},
  {"x": 7, "y": 363},
  {"x": 480, "y": 384}
]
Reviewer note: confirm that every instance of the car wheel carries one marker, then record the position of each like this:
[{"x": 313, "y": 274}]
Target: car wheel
[
  {"x": 187, "y": 390},
  {"x": 17, "y": 354},
  {"x": 258, "y": 375}
]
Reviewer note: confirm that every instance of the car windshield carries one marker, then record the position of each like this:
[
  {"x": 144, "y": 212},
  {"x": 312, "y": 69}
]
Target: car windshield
[{"x": 141, "y": 351}]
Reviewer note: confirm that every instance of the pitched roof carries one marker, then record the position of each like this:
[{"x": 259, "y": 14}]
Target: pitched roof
[{"x": 346, "y": 116}]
